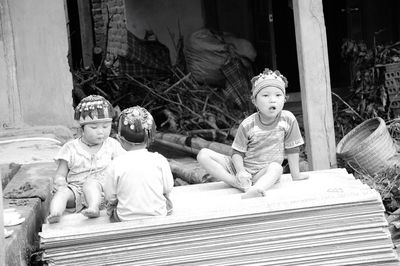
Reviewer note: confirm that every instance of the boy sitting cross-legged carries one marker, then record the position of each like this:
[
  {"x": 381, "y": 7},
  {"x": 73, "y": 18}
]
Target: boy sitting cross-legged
[{"x": 261, "y": 142}]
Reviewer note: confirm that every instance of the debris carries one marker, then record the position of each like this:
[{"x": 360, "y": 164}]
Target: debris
[
  {"x": 26, "y": 190},
  {"x": 177, "y": 101},
  {"x": 189, "y": 171},
  {"x": 18, "y": 202},
  {"x": 396, "y": 224}
]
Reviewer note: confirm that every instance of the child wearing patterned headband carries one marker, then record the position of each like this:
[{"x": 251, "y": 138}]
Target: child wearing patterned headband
[
  {"x": 79, "y": 179},
  {"x": 261, "y": 141},
  {"x": 139, "y": 182}
]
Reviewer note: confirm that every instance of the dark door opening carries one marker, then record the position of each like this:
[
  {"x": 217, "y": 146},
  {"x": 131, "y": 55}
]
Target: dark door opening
[
  {"x": 75, "y": 43},
  {"x": 267, "y": 24}
]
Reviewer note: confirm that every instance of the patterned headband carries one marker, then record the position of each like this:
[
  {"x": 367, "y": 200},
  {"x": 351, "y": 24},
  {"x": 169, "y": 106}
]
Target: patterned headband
[
  {"x": 136, "y": 121},
  {"x": 268, "y": 78},
  {"x": 92, "y": 109}
]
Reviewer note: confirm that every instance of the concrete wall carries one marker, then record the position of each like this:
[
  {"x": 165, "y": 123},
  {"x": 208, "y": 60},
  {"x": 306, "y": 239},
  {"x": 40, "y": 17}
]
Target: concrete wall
[
  {"x": 4, "y": 84},
  {"x": 10, "y": 108},
  {"x": 42, "y": 77},
  {"x": 159, "y": 16}
]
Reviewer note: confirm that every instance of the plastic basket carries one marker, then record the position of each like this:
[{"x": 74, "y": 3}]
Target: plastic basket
[
  {"x": 368, "y": 147},
  {"x": 392, "y": 70}
]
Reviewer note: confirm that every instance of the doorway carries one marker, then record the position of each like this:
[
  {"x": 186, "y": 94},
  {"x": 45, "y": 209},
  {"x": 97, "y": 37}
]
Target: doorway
[{"x": 267, "y": 24}]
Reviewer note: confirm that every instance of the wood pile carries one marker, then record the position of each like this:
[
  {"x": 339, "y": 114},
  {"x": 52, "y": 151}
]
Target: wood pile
[
  {"x": 330, "y": 219},
  {"x": 178, "y": 103},
  {"x": 190, "y": 144}
]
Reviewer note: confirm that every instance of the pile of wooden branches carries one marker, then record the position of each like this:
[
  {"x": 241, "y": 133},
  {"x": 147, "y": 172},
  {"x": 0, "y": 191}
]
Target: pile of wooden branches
[
  {"x": 178, "y": 103},
  {"x": 387, "y": 183}
]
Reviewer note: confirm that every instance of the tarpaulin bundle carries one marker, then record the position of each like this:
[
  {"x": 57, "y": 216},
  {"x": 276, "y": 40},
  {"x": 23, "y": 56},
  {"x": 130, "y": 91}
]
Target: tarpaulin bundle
[
  {"x": 223, "y": 60},
  {"x": 145, "y": 58}
]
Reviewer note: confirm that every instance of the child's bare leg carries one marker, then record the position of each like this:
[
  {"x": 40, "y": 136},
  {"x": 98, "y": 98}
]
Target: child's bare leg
[
  {"x": 266, "y": 179},
  {"x": 213, "y": 163},
  {"x": 62, "y": 198},
  {"x": 92, "y": 192}
]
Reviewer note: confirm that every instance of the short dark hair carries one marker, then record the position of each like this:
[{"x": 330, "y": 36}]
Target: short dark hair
[{"x": 138, "y": 135}]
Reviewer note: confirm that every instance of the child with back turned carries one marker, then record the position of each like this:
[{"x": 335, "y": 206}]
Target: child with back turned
[
  {"x": 139, "y": 182},
  {"x": 261, "y": 141},
  {"x": 79, "y": 179}
]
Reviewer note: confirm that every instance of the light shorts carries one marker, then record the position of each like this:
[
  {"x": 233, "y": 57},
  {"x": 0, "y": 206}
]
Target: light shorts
[
  {"x": 229, "y": 166},
  {"x": 80, "y": 200}
]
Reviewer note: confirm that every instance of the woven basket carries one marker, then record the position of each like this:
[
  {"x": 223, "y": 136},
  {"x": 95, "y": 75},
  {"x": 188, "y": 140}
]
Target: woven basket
[{"x": 368, "y": 147}]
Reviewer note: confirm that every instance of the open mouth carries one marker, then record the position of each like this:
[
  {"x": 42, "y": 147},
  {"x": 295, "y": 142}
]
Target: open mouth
[{"x": 272, "y": 108}]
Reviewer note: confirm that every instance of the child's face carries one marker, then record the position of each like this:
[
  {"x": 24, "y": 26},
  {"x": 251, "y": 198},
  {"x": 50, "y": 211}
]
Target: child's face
[
  {"x": 269, "y": 101},
  {"x": 96, "y": 133}
]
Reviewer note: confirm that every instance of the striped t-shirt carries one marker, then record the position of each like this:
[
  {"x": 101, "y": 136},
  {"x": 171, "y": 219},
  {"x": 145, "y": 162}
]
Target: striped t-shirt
[{"x": 263, "y": 144}]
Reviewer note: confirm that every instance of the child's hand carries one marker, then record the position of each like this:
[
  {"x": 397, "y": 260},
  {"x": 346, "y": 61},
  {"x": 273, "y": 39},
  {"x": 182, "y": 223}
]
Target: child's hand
[
  {"x": 110, "y": 206},
  {"x": 244, "y": 179},
  {"x": 170, "y": 206},
  {"x": 59, "y": 182}
]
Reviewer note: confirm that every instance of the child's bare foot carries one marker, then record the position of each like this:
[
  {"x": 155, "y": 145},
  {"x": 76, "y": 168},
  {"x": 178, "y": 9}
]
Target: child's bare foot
[
  {"x": 243, "y": 180},
  {"x": 53, "y": 218},
  {"x": 253, "y": 193},
  {"x": 302, "y": 176},
  {"x": 91, "y": 213}
]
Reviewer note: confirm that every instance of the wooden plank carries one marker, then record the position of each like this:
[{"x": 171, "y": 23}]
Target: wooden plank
[
  {"x": 230, "y": 204},
  {"x": 86, "y": 28},
  {"x": 212, "y": 225},
  {"x": 315, "y": 83},
  {"x": 256, "y": 242},
  {"x": 274, "y": 235},
  {"x": 271, "y": 33},
  {"x": 231, "y": 251}
]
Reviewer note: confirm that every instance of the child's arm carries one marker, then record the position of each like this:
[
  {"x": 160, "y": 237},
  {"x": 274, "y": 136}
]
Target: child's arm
[
  {"x": 170, "y": 206},
  {"x": 167, "y": 177},
  {"x": 237, "y": 159},
  {"x": 60, "y": 178},
  {"x": 168, "y": 182},
  {"x": 293, "y": 141},
  {"x": 293, "y": 160}
]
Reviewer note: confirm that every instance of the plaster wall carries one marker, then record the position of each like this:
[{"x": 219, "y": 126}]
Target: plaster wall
[
  {"x": 9, "y": 97},
  {"x": 164, "y": 16},
  {"x": 42, "y": 70},
  {"x": 4, "y": 108}
]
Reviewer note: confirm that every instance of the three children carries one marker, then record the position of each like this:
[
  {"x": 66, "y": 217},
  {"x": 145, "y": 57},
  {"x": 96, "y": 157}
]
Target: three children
[
  {"x": 261, "y": 141},
  {"x": 142, "y": 188}
]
